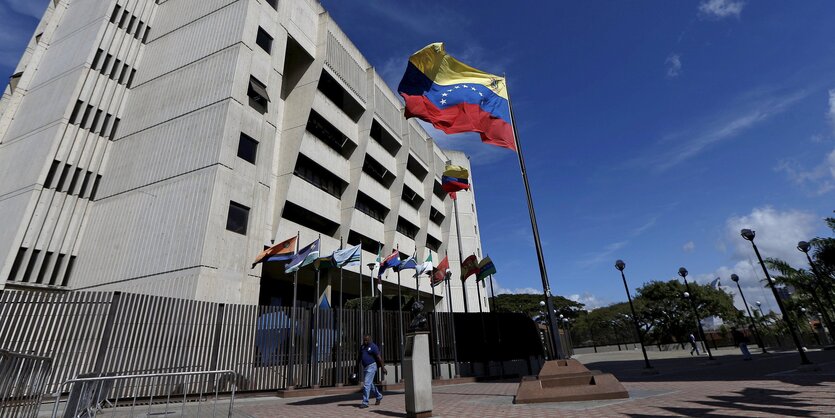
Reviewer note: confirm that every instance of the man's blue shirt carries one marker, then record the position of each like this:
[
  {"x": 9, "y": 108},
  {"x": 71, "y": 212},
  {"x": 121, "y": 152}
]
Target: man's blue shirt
[{"x": 369, "y": 354}]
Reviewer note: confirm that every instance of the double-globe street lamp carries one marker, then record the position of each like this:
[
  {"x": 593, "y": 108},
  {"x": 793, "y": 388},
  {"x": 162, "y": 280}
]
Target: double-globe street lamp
[
  {"x": 620, "y": 265},
  {"x": 804, "y": 247},
  {"x": 687, "y": 295},
  {"x": 735, "y": 279},
  {"x": 749, "y": 235}
]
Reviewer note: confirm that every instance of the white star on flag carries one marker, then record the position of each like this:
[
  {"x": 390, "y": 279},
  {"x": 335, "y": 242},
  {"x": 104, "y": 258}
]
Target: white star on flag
[
  {"x": 443, "y": 101},
  {"x": 457, "y": 87},
  {"x": 444, "y": 95},
  {"x": 481, "y": 94},
  {"x": 473, "y": 88}
]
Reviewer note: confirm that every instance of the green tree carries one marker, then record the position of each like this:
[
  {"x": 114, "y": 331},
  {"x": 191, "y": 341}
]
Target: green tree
[{"x": 529, "y": 304}]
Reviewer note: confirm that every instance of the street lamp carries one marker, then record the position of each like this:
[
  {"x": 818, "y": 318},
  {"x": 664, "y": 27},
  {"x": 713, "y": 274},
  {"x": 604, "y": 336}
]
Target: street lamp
[
  {"x": 683, "y": 273},
  {"x": 749, "y": 235},
  {"x": 567, "y": 327},
  {"x": 620, "y": 265},
  {"x": 735, "y": 279},
  {"x": 804, "y": 247}
]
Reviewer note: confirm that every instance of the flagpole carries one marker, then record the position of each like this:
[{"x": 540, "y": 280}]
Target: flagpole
[
  {"x": 362, "y": 316},
  {"x": 315, "y": 380},
  {"x": 437, "y": 366},
  {"x": 546, "y": 286},
  {"x": 460, "y": 251},
  {"x": 380, "y": 280},
  {"x": 492, "y": 292},
  {"x": 447, "y": 278},
  {"x": 399, "y": 318},
  {"x": 339, "y": 319},
  {"x": 292, "y": 347}
]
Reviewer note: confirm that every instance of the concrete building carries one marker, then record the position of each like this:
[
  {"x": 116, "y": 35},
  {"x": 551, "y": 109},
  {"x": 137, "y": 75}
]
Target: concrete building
[{"x": 157, "y": 146}]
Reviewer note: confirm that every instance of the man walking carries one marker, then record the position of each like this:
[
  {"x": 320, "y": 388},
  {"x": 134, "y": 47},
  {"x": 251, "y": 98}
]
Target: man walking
[
  {"x": 370, "y": 358},
  {"x": 693, "y": 345}
]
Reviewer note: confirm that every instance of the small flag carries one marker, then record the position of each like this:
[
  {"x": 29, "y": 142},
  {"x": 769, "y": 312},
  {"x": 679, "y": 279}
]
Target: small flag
[
  {"x": 715, "y": 283},
  {"x": 485, "y": 268},
  {"x": 282, "y": 251},
  {"x": 455, "y": 97},
  {"x": 305, "y": 256},
  {"x": 426, "y": 267},
  {"x": 409, "y": 263},
  {"x": 347, "y": 257},
  {"x": 469, "y": 267},
  {"x": 439, "y": 275},
  {"x": 393, "y": 260},
  {"x": 455, "y": 178},
  {"x": 325, "y": 262}
]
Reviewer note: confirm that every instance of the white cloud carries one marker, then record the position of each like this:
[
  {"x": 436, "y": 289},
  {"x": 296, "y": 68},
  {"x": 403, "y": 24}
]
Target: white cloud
[
  {"x": 689, "y": 247},
  {"x": 819, "y": 178},
  {"x": 832, "y": 108},
  {"x": 752, "y": 109},
  {"x": 673, "y": 63},
  {"x": 720, "y": 9},
  {"x": 777, "y": 234},
  {"x": 589, "y": 300},
  {"x": 515, "y": 291}
]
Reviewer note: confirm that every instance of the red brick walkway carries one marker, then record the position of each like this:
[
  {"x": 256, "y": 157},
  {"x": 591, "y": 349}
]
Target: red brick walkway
[{"x": 770, "y": 386}]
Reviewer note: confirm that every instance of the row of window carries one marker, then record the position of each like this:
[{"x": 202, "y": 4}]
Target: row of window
[
  {"x": 130, "y": 23},
  {"x": 69, "y": 177},
  {"x": 35, "y": 273},
  {"x": 318, "y": 176},
  {"x": 88, "y": 117},
  {"x": 119, "y": 71}
]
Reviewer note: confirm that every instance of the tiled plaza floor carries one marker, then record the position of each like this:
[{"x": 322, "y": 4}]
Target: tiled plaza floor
[{"x": 769, "y": 386}]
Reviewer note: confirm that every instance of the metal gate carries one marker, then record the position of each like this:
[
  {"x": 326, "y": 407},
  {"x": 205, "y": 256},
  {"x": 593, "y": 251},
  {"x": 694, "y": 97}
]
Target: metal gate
[{"x": 23, "y": 380}]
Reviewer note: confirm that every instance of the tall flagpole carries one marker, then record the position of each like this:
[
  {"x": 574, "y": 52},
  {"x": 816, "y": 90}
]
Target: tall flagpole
[
  {"x": 339, "y": 334},
  {"x": 380, "y": 281},
  {"x": 315, "y": 380},
  {"x": 478, "y": 290},
  {"x": 492, "y": 292},
  {"x": 447, "y": 278},
  {"x": 362, "y": 314},
  {"x": 399, "y": 318},
  {"x": 460, "y": 251},
  {"x": 546, "y": 286},
  {"x": 437, "y": 366},
  {"x": 292, "y": 346}
]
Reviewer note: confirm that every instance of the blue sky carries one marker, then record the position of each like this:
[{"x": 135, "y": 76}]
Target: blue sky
[{"x": 653, "y": 131}]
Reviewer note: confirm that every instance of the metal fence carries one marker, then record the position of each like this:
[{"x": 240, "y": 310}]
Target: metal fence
[
  {"x": 268, "y": 347},
  {"x": 23, "y": 379},
  {"x": 167, "y": 394}
]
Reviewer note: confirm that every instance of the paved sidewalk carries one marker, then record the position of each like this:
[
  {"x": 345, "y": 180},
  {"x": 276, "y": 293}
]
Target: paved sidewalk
[{"x": 769, "y": 386}]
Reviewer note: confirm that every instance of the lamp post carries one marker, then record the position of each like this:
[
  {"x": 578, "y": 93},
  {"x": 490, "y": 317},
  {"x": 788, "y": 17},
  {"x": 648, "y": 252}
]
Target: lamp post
[
  {"x": 570, "y": 346},
  {"x": 749, "y": 235},
  {"x": 683, "y": 273},
  {"x": 620, "y": 265},
  {"x": 804, "y": 247},
  {"x": 735, "y": 279}
]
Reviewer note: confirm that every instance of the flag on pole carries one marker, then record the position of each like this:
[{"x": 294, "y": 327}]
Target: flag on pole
[
  {"x": 305, "y": 256},
  {"x": 455, "y": 97},
  {"x": 469, "y": 267},
  {"x": 393, "y": 260},
  {"x": 284, "y": 250},
  {"x": 455, "y": 178},
  {"x": 409, "y": 263},
  {"x": 715, "y": 283},
  {"x": 439, "y": 275},
  {"x": 347, "y": 257},
  {"x": 485, "y": 268},
  {"x": 426, "y": 267},
  {"x": 325, "y": 262}
]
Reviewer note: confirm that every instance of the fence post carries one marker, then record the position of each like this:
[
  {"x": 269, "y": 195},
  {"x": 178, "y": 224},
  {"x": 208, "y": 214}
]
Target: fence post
[
  {"x": 216, "y": 344},
  {"x": 107, "y": 333}
]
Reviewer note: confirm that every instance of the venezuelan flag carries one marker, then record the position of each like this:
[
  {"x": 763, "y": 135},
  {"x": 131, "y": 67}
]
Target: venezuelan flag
[
  {"x": 455, "y": 97},
  {"x": 455, "y": 178}
]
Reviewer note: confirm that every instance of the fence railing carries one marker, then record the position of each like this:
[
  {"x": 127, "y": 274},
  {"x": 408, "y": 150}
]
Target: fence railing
[
  {"x": 191, "y": 393},
  {"x": 113, "y": 333},
  {"x": 23, "y": 379}
]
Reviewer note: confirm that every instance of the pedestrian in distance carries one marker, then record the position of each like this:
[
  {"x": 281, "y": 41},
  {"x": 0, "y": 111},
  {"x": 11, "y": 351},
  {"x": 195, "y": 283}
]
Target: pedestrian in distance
[
  {"x": 370, "y": 359},
  {"x": 693, "y": 345},
  {"x": 741, "y": 341}
]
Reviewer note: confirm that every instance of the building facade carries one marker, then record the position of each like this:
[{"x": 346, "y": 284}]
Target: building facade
[{"x": 157, "y": 146}]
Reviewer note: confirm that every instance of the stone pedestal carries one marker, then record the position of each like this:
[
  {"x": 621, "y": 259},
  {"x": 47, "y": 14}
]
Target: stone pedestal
[
  {"x": 417, "y": 372},
  {"x": 568, "y": 380}
]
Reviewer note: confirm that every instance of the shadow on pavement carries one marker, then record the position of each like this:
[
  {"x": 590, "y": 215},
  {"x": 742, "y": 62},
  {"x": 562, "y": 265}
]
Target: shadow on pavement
[{"x": 752, "y": 401}]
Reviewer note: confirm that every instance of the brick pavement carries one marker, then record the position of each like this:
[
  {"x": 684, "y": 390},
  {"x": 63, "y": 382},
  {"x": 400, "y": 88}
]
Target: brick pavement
[{"x": 769, "y": 386}]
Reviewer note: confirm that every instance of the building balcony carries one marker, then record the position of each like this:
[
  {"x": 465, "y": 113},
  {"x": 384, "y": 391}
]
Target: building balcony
[
  {"x": 375, "y": 190},
  {"x": 407, "y": 245},
  {"x": 333, "y": 114},
  {"x": 413, "y": 183},
  {"x": 409, "y": 213},
  {"x": 367, "y": 226},
  {"x": 314, "y": 199},
  {"x": 325, "y": 156},
  {"x": 379, "y": 154}
]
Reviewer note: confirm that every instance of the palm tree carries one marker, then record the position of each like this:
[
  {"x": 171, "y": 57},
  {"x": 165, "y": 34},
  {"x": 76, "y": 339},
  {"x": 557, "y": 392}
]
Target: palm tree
[{"x": 804, "y": 282}]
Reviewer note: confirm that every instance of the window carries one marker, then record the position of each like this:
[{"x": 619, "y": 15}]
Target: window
[
  {"x": 406, "y": 228},
  {"x": 247, "y": 148},
  {"x": 273, "y": 3},
  {"x": 329, "y": 134},
  {"x": 145, "y": 36},
  {"x": 436, "y": 216},
  {"x": 130, "y": 79},
  {"x": 371, "y": 207},
  {"x": 264, "y": 40},
  {"x": 115, "y": 14},
  {"x": 319, "y": 176},
  {"x": 433, "y": 243},
  {"x": 376, "y": 171},
  {"x": 295, "y": 213},
  {"x": 258, "y": 97},
  {"x": 237, "y": 219},
  {"x": 411, "y": 197}
]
